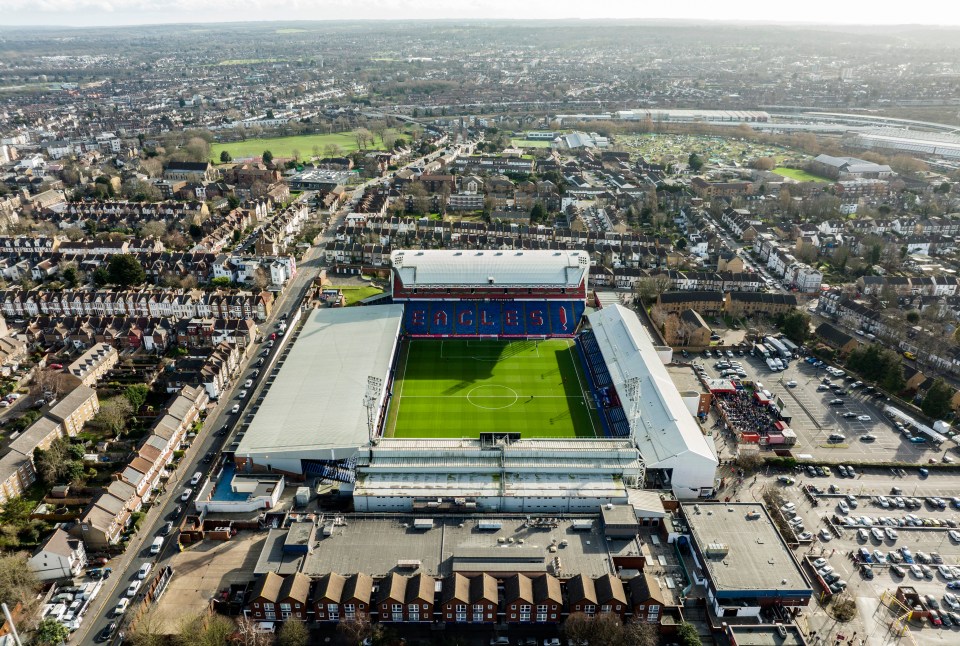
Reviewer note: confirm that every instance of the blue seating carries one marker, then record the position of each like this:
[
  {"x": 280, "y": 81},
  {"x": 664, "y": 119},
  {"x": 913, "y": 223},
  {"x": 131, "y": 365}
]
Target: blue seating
[
  {"x": 416, "y": 318},
  {"x": 488, "y": 318},
  {"x": 466, "y": 321},
  {"x": 538, "y": 318},
  {"x": 565, "y": 316},
  {"x": 513, "y": 323},
  {"x": 441, "y": 317},
  {"x": 492, "y": 318},
  {"x": 615, "y": 420}
]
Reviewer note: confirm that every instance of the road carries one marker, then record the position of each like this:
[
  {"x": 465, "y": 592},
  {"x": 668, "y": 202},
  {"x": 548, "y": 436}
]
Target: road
[{"x": 210, "y": 441}]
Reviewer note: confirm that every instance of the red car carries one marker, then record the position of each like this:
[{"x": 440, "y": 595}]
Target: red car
[
  {"x": 273, "y": 336},
  {"x": 56, "y": 366}
]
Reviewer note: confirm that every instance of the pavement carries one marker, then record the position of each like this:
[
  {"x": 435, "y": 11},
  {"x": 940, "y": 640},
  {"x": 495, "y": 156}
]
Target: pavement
[{"x": 165, "y": 505}]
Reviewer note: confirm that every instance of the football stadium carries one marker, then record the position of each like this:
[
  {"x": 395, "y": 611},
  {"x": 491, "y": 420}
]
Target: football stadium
[{"x": 486, "y": 384}]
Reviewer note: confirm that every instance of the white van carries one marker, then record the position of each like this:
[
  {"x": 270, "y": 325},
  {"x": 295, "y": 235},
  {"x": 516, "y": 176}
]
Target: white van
[
  {"x": 156, "y": 545},
  {"x": 145, "y": 569},
  {"x": 196, "y": 478},
  {"x": 266, "y": 627}
]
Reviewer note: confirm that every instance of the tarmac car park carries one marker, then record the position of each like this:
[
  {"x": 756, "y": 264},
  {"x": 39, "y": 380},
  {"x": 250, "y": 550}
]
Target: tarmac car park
[
  {"x": 877, "y": 532},
  {"x": 807, "y": 391}
]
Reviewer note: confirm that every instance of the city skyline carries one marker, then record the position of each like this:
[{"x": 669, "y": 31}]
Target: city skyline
[{"x": 84, "y": 13}]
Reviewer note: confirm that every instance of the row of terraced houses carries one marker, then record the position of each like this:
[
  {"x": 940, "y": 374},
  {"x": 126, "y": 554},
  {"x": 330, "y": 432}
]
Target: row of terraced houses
[
  {"x": 163, "y": 303},
  {"x": 458, "y": 598}
]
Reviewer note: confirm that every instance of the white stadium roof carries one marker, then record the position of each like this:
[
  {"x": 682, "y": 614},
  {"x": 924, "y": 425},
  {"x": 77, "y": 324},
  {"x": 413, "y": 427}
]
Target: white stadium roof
[
  {"x": 314, "y": 408},
  {"x": 667, "y": 434},
  {"x": 418, "y": 268}
]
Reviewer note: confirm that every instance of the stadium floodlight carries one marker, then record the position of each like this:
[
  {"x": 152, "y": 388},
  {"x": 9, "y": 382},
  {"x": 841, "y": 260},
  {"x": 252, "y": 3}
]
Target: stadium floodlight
[
  {"x": 370, "y": 399},
  {"x": 633, "y": 392}
]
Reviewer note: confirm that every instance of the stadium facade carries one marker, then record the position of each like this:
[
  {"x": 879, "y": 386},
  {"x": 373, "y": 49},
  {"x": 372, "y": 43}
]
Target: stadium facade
[{"x": 325, "y": 411}]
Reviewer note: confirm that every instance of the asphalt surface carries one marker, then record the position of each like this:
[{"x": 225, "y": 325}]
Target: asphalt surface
[{"x": 208, "y": 441}]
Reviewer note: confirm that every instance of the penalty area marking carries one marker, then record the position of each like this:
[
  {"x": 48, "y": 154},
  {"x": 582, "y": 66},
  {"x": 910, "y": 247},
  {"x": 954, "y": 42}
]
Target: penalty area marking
[{"x": 509, "y": 391}]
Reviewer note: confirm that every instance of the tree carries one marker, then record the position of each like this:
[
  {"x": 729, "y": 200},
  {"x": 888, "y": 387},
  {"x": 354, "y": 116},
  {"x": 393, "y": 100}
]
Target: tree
[
  {"x": 53, "y": 463},
  {"x": 18, "y": 583},
  {"x": 640, "y": 633},
  {"x": 114, "y": 414},
  {"x": 267, "y": 157},
  {"x": 578, "y": 628},
  {"x": 694, "y": 162},
  {"x": 763, "y": 163},
  {"x": 649, "y": 288},
  {"x": 913, "y": 317},
  {"x": 293, "y": 633},
  {"x": 795, "y": 325},
  {"x": 225, "y": 157},
  {"x": 50, "y": 631},
  {"x": 688, "y": 635},
  {"x": 150, "y": 630},
  {"x": 154, "y": 229},
  {"x": 936, "y": 403},
  {"x": 125, "y": 270},
  {"x": 362, "y": 136},
  {"x": 358, "y": 629},
  {"x": 136, "y": 394},
  {"x": 248, "y": 633},
  {"x": 538, "y": 213}
]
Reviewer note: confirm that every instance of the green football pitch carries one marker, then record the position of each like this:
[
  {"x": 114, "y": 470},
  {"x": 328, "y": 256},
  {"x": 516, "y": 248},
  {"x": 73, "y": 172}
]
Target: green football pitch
[{"x": 462, "y": 387}]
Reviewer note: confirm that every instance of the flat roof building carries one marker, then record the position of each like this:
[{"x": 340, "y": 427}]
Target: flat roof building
[
  {"x": 314, "y": 409},
  {"x": 746, "y": 562}
]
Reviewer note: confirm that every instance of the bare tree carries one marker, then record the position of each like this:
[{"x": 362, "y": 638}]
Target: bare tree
[
  {"x": 361, "y": 136},
  {"x": 357, "y": 629},
  {"x": 640, "y": 633},
  {"x": 150, "y": 629},
  {"x": 293, "y": 633},
  {"x": 249, "y": 635},
  {"x": 114, "y": 414}
]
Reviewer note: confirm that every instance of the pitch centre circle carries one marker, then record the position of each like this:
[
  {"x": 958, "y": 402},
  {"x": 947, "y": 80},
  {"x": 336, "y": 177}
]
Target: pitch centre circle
[{"x": 477, "y": 395}]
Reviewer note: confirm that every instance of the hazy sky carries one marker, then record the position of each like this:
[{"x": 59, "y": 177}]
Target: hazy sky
[{"x": 132, "y": 12}]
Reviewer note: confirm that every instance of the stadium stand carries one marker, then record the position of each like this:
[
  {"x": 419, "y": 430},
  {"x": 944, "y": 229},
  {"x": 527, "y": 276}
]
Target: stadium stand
[
  {"x": 614, "y": 417},
  {"x": 505, "y": 319}
]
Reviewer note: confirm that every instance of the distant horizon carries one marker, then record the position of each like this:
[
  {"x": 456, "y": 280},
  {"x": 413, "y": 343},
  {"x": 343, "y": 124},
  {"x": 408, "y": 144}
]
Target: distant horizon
[{"x": 142, "y": 13}]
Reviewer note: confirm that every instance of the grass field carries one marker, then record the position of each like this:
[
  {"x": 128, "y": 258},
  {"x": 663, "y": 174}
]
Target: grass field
[
  {"x": 460, "y": 388},
  {"x": 355, "y": 294},
  {"x": 284, "y": 146},
  {"x": 530, "y": 143},
  {"x": 799, "y": 175}
]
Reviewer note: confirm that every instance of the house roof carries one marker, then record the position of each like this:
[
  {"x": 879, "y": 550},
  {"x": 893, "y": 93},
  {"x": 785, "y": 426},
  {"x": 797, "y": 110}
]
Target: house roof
[
  {"x": 359, "y": 586},
  {"x": 644, "y": 587},
  {"x": 268, "y": 587},
  {"x": 329, "y": 586},
  {"x": 295, "y": 586},
  {"x": 609, "y": 589}
]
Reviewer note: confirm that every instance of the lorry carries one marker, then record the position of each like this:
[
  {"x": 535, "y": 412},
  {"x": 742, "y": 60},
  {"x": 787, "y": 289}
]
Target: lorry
[
  {"x": 777, "y": 347},
  {"x": 760, "y": 350}
]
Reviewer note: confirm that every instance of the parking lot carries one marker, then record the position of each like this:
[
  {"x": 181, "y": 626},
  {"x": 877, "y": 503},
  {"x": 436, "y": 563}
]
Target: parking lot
[
  {"x": 868, "y": 436},
  {"x": 840, "y": 533}
]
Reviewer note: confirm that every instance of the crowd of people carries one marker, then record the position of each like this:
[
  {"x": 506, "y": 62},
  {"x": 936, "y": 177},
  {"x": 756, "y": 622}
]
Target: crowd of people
[{"x": 741, "y": 413}]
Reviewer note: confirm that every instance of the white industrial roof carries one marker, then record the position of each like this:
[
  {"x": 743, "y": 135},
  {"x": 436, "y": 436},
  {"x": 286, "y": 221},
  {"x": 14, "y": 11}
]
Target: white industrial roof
[
  {"x": 666, "y": 433},
  {"x": 316, "y": 400},
  {"x": 490, "y": 268}
]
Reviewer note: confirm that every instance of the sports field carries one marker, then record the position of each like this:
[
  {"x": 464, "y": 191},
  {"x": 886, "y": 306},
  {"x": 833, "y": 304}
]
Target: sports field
[
  {"x": 284, "y": 146},
  {"x": 460, "y": 388}
]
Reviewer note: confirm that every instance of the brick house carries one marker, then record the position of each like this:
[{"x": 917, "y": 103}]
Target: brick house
[
  {"x": 406, "y": 599},
  {"x": 277, "y": 598},
  {"x": 469, "y": 599},
  {"x": 591, "y": 596},
  {"x": 336, "y": 597},
  {"x": 535, "y": 599},
  {"x": 647, "y": 598}
]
